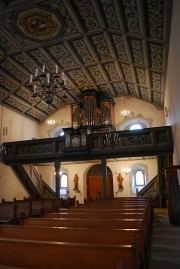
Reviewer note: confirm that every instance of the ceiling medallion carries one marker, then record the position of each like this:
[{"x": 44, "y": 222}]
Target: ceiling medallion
[{"x": 39, "y": 24}]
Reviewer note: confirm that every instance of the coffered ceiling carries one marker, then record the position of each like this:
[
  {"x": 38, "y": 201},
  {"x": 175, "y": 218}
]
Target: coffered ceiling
[{"x": 118, "y": 47}]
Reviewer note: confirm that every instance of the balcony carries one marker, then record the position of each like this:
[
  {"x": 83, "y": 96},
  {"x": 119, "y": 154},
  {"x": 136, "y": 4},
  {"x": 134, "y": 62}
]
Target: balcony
[{"x": 84, "y": 146}]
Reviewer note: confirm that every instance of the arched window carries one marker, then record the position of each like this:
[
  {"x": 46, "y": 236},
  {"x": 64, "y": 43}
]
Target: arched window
[
  {"x": 64, "y": 182},
  {"x": 58, "y": 131},
  {"x": 138, "y": 178},
  {"x": 134, "y": 124},
  {"x": 64, "y": 185}
]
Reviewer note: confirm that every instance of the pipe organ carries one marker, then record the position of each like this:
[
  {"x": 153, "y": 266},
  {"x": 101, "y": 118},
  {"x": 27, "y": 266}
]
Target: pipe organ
[
  {"x": 93, "y": 114},
  {"x": 93, "y": 111}
]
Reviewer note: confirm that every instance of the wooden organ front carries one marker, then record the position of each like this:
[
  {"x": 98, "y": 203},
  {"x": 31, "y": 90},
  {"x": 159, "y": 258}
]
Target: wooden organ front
[
  {"x": 94, "y": 113},
  {"x": 94, "y": 109}
]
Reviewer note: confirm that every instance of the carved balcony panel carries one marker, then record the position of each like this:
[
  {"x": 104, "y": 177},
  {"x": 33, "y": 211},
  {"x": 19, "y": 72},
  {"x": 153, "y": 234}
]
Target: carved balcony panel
[{"x": 79, "y": 145}]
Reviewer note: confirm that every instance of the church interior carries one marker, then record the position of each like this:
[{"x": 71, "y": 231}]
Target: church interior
[{"x": 89, "y": 128}]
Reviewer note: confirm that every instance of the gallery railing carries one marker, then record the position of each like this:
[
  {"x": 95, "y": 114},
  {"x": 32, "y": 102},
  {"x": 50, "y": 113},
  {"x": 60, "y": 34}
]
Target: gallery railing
[{"x": 145, "y": 142}]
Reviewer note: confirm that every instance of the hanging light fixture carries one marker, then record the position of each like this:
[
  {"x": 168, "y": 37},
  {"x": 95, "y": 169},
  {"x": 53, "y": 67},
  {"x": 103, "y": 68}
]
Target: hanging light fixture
[
  {"x": 126, "y": 169},
  {"x": 48, "y": 85},
  {"x": 125, "y": 112},
  {"x": 51, "y": 122}
]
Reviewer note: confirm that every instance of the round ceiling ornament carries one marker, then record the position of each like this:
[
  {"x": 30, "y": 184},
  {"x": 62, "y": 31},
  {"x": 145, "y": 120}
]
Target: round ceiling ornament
[{"x": 38, "y": 24}]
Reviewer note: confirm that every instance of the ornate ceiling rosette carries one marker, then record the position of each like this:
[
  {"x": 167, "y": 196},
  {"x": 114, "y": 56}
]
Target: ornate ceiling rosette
[{"x": 38, "y": 24}]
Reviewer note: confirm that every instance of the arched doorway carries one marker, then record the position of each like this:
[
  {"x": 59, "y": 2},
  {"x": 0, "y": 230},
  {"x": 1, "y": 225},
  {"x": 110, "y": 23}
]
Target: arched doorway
[{"x": 95, "y": 183}]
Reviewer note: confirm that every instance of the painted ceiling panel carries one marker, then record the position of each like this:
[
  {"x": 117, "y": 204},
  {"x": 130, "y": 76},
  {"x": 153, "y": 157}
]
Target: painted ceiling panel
[{"x": 116, "y": 47}]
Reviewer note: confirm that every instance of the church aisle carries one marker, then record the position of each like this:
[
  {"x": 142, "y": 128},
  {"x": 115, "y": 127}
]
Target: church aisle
[{"x": 165, "y": 252}]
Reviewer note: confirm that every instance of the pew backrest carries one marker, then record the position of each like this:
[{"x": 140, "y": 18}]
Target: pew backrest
[
  {"x": 8, "y": 213},
  {"x": 32, "y": 254}
]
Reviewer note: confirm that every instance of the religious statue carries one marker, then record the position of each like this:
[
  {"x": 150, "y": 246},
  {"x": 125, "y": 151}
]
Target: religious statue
[
  {"x": 76, "y": 182},
  {"x": 120, "y": 180}
]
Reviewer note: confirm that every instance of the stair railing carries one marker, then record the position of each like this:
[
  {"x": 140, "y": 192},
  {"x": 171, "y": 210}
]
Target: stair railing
[
  {"x": 44, "y": 189},
  {"x": 151, "y": 189}
]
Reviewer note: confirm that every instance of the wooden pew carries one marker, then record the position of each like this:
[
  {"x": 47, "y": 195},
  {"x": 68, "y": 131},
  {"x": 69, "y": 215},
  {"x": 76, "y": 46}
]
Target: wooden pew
[
  {"x": 22, "y": 208},
  {"x": 89, "y": 223},
  {"x": 111, "y": 207},
  {"x": 106, "y": 208},
  {"x": 119, "y": 202},
  {"x": 42, "y": 206},
  {"x": 58, "y": 204},
  {"x": 118, "y": 205},
  {"x": 101, "y": 216},
  {"x": 42, "y": 254},
  {"x": 23, "y": 211},
  {"x": 48, "y": 205},
  {"x": 80, "y": 235},
  {"x": 95, "y": 215},
  {"x": 96, "y": 222},
  {"x": 26, "y": 208},
  {"x": 85, "y": 223},
  {"x": 71, "y": 234},
  {"x": 105, "y": 216},
  {"x": 32, "y": 207},
  {"x": 14, "y": 211},
  {"x": 121, "y": 199},
  {"x": 99, "y": 209},
  {"x": 11, "y": 267},
  {"x": 8, "y": 214},
  {"x": 105, "y": 213}
]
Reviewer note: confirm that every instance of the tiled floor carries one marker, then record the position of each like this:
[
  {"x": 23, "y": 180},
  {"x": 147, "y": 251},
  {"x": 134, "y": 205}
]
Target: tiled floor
[{"x": 165, "y": 252}]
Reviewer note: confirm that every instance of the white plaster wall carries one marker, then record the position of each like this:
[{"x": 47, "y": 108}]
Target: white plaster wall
[
  {"x": 172, "y": 94},
  {"x": 19, "y": 128},
  {"x": 10, "y": 186},
  {"x": 139, "y": 110},
  {"x": 62, "y": 118}
]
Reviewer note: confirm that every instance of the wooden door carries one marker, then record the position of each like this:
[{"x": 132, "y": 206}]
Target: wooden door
[
  {"x": 110, "y": 187},
  {"x": 95, "y": 190}
]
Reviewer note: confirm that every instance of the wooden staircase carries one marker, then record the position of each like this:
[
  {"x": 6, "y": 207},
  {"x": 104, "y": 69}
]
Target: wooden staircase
[{"x": 32, "y": 181}]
